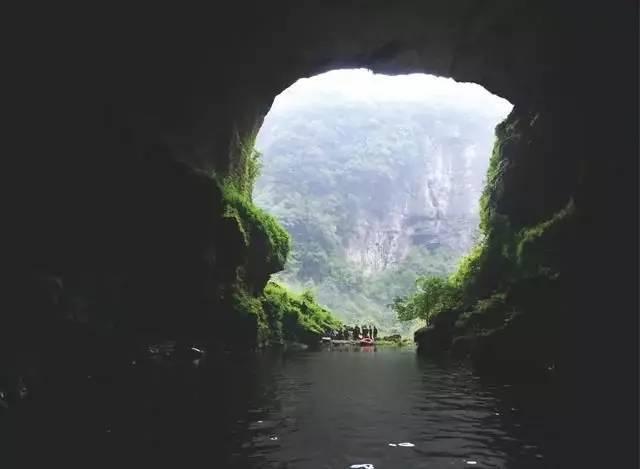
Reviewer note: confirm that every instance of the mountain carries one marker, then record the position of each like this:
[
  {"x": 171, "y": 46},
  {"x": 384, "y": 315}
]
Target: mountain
[{"x": 374, "y": 192}]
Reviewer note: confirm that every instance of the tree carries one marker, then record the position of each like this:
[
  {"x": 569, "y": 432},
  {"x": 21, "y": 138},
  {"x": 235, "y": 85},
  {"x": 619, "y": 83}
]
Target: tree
[{"x": 435, "y": 295}]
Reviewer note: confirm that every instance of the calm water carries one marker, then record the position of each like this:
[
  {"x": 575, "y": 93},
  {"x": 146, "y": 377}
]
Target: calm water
[{"x": 332, "y": 408}]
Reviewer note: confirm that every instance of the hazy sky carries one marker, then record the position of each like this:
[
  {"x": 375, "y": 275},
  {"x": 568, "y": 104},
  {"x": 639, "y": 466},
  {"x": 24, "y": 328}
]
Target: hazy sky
[{"x": 364, "y": 85}]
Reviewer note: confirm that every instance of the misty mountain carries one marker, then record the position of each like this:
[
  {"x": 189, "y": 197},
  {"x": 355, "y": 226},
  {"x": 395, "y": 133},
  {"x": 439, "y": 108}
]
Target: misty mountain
[{"x": 374, "y": 192}]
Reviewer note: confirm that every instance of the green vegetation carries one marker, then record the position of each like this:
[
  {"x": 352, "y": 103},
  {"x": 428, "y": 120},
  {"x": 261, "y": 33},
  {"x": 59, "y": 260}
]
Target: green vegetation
[
  {"x": 261, "y": 233},
  {"x": 246, "y": 164},
  {"x": 395, "y": 340},
  {"x": 297, "y": 318},
  {"x": 347, "y": 179},
  {"x": 435, "y": 294},
  {"x": 362, "y": 299},
  {"x": 277, "y": 316},
  {"x": 255, "y": 224},
  {"x": 264, "y": 313},
  {"x": 505, "y": 291}
]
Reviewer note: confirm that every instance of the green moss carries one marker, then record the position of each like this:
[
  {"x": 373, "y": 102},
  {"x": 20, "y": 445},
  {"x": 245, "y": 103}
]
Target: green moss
[
  {"x": 486, "y": 314},
  {"x": 537, "y": 246},
  {"x": 277, "y": 316},
  {"x": 469, "y": 265},
  {"x": 245, "y": 163},
  {"x": 254, "y": 224},
  {"x": 250, "y": 319},
  {"x": 506, "y": 133},
  {"x": 296, "y": 317},
  {"x": 262, "y": 245},
  {"x": 506, "y": 257}
]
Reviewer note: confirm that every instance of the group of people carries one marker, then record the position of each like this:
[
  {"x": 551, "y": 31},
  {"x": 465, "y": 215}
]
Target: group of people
[{"x": 356, "y": 333}]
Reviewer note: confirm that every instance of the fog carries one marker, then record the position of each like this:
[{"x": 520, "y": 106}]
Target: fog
[
  {"x": 377, "y": 179},
  {"x": 361, "y": 85}
]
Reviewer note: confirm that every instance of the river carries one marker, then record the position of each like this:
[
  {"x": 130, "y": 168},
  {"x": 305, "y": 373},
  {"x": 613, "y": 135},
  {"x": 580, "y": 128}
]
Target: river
[{"x": 336, "y": 407}]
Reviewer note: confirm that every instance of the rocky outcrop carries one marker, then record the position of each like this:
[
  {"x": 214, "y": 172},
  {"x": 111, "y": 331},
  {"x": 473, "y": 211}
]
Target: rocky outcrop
[
  {"x": 368, "y": 179},
  {"x": 527, "y": 248},
  {"x": 435, "y": 209},
  {"x": 113, "y": 204}
]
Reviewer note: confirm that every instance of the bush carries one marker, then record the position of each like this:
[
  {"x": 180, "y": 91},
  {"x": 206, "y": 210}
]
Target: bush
[
  {"x": 296, "y": 317},
  {"x": 435, "y": 295},
  {"x": 256, "y": 225}
]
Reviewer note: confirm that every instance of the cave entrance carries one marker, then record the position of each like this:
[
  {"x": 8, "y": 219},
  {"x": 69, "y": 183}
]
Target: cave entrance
[{"x": 377, "y": 178}]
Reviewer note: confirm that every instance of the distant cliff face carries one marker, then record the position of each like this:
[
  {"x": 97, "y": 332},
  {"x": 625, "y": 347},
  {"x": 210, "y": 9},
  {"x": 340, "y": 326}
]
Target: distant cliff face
[
  {"x": 438, "y": 207},
  {"x": 364, "y": 184}
]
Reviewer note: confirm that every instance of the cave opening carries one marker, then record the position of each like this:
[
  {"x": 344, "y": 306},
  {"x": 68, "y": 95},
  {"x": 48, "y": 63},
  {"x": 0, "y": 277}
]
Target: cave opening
[
  {"x": 120, "y": 235},
  {"x": 377, "y": 178}
]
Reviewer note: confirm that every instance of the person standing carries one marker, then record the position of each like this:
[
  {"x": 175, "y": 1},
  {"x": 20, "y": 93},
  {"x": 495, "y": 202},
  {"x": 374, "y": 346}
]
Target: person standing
[
  {"x": 375, "y": 333},
  {"x": 356, "y": 332}
]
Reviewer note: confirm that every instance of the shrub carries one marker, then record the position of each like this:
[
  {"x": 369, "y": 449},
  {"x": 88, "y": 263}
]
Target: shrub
[
  {"x": 296, "y": 317},
  {"x": 435, "y": 295}
]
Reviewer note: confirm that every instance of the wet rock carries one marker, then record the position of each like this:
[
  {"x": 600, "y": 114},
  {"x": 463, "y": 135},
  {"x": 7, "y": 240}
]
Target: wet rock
[
  {"x": 295, "y": 346},
  {"x": 461, "y": 346},
  {"x": 436, "y": 338},
  {"x": 513, "y": 350},
  {"x": 432, "y": 340}
]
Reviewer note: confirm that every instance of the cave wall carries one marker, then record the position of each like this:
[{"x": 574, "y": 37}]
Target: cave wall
[
  {"x": 91, "y": 99},
  {"x": 105, "y": 108},
  {"x": 93, "y": 90}
]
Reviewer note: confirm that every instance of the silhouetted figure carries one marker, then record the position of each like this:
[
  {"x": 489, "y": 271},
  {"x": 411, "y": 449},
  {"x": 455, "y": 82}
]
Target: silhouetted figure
[
  {"x": 365, "y": 332},
  {"x": 356, "y": 332},
  {"x": 346, "y": 333},
  {"x": 375, "y": 333}
]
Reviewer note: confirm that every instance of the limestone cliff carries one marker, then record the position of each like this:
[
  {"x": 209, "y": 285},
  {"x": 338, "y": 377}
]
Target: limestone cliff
[
  {"x": 367, "y": 184},
  {"x": 375, "y": 176}
]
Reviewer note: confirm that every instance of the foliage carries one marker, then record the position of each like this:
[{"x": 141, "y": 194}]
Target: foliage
[
  {"x": 255, "y": 222},
  {"x": 266, "y": 244},
  {"x": 434, "y": 295},
  {"x": 337, "y": 167},
  {"x": 363, "y": 299},
  {"x": 245, "y": 164},
  {"x": 537, "y": 246},
  {"x": 486, "y": 314},
  {"x": 504, "y": 256},
  {"x": 294, "y": 317},
  {"x": 249, "y": 321},
  {"x": 505, "y": 132}
]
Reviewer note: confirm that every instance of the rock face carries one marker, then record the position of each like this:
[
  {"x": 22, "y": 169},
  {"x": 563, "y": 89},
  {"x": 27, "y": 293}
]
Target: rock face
[
  {"x": 375, "y": 188},
  {"x": 376, "y": 177},
  {"x": 88, "y": 99},
  {"x": 86, "y": 200},
  {"x": 438, "y": 209}
]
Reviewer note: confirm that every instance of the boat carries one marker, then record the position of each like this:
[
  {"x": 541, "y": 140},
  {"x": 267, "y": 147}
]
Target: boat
[{"x": 367, "y": 341}]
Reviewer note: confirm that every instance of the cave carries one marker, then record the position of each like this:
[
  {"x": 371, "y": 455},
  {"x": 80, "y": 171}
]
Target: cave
[{"x": 118, "y": 120}]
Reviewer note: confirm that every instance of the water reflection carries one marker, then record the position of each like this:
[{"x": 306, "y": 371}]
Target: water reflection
[
  {"x": 333, "y": 408},
  {"x": 345, "y": 406}
]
